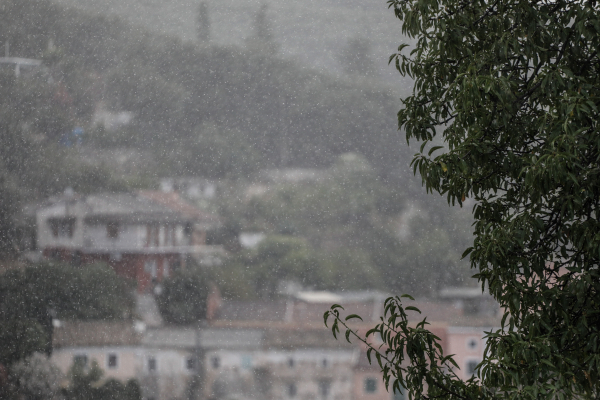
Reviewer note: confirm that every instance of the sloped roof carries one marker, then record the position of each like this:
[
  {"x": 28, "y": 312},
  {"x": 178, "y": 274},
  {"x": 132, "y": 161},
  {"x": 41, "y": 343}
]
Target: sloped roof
[
  {"x": 122, "y": 207},
  {"x": 260, "y": 310},
  {"x": 95, "y": 333},
  {"x": 127, "y": 206},
  {"x": 174, "y": 202}
]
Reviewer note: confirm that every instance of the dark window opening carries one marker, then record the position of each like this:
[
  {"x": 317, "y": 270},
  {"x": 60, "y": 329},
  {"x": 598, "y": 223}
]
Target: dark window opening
[
  {"x": 291, "y": 362},
  {"x": 398, "y": 394},
  {"x": 472, "y": 367},
  {"x": 324, "y": 388},
  {"x": 112, "y": 230},
  {"x": 472, "y": 343},
  {"x": 80, "y": 359},
  {"x": 152, "y": 235},
  {"x": 292, "y": 390},
  {"x": 215, "y": 362},
  {"x": 152, "y": 364},
  {"x": 62, "y": 227},
  {"x": 112, "y": 360},
  {"x": 190, "y": 363},
  {"x": 370, "y": 385}
]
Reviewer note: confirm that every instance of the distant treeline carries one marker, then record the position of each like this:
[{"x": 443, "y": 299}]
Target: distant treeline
[{"x": 204, "y": 110}]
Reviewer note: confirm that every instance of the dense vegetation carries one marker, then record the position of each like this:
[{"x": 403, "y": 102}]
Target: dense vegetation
[
  {"x": 226, "y": 112},
  {"x": 513, "y": 88},
  {"x": 188, "y": 97},
  {"x": 31, "y": 297},
  {"x": 348, "y": 220},
  {"x": 183, "y": 296}
]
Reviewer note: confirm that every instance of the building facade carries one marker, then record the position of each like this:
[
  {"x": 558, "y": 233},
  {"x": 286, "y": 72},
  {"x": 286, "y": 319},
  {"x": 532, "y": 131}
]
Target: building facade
[{"x": 143, "y": 236}]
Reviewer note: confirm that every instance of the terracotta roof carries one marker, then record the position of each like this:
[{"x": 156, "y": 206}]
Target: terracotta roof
[
  {"x": 95, "y": 333},
  {"x": 174, "y": 202},
  {"x": 260, "y": 310}
]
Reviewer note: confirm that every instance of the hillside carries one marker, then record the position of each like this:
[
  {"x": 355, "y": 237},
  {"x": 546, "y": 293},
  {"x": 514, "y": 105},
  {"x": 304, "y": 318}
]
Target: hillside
[
  {"x": 208, "y": 110},
  {"x": 312, "y": 32}
]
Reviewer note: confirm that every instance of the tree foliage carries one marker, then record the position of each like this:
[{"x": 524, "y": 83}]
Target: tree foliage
[
  {"x": 35, "y": 378},
  {"x": 175, "y": 88},
  {"x": 31, "y": 297},
  {"x": 512, "y": 88},
  {"x": 184, "y": 295},
  {"x": 88, "y": 383}
]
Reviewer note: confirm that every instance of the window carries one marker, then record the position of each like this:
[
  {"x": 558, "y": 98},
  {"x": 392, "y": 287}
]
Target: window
[
  {"x": 190, "y": 363},
  {"x": 150, "y": 267},
  {"x": 472, "y": 343},
  {"x": 398, "y": 394},
  {"x": 291, "y": 362},
  {"x": 215, "y": 362},
  {"x": 152, "y": 365},
  {"x": 472, "y": 366},
  {"x": 246, "y": 361},
  {"x": 112, "y": 230},
  {"x": 166, "y": 268},
  {"x": 324, "y": 363},
  {"x": 152, "y": 235},
  {"x": 112, "y": 361},
  {"x": 80, "y": 359},
  {"x": 292, "y": 390},
  {"x": 62, "y": 227},
  {"x": 370, "y": 385},
  {"x": 170, "y": 235},
  {"x": 324, "y": 388}
]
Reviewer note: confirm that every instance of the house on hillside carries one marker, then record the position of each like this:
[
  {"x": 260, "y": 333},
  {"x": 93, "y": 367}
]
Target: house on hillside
[
  {"x": 20, "y": 66},
  {"x": 144, "y": 236}
]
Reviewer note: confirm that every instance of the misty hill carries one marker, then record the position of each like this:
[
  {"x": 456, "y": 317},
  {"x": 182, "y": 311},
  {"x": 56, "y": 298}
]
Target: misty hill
[
  {"x": 207, "y": 110},
  {"x": 312, "y": 32}
]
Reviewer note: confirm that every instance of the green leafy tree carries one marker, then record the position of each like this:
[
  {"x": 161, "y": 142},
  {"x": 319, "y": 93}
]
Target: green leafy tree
[
  {"x": 87, "y": 383},
  {"x": 184, "y": 296},
  {"x": 31, "y": 297},
  {"x": 513, "y": 89},
  {"x": 35, "y": 378}
]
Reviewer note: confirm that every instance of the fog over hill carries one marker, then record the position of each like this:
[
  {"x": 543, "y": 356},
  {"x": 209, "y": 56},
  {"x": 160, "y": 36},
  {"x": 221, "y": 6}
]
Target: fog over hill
[{"x": 314, "y": 32}]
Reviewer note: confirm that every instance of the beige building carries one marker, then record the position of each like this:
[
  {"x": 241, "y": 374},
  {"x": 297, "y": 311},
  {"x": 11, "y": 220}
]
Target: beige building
[{"x": 115, "y": 347}]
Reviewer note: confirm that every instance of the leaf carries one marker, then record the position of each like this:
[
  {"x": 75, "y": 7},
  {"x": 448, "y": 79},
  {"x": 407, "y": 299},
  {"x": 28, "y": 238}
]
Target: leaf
[
  {"x": 411, "y": 308},
  {"x": 353, "y": 316},
  {"x": 433, "y": 149}
]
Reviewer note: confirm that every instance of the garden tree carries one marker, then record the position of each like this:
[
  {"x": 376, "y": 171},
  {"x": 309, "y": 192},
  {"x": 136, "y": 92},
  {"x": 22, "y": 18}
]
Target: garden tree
[
  {"x": 513, "y": 89},
  {"x": 87, "y": 383},
  {"x": 276, "y": 259},
  {"x": 183, "y": 299},
  {"x": 32, "y": 296},
  {"x": 34, "y": 378}
]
